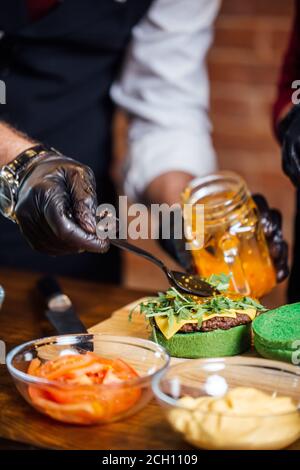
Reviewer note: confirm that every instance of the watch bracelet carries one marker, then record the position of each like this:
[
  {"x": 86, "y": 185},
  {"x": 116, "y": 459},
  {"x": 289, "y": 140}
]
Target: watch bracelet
[
  {"x": 24, "y": 161},
  {"x": 16, "y": 170}
]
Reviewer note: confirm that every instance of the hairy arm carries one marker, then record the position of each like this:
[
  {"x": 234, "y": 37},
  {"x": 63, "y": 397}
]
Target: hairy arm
[{"x": 12, "y": 143}]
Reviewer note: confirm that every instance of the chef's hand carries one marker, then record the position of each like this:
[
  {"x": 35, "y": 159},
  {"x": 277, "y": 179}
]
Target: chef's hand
[
  {"x": 56, "y": 206},
  {"x": 167, "y": 189},
  {"x": 271, "y": 224},
  {"x": 289, "y": 136},
  {"x": 175, "y": 247}
]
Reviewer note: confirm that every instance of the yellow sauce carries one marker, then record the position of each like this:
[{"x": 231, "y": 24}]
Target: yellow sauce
[{"x": 244, "y": 418}]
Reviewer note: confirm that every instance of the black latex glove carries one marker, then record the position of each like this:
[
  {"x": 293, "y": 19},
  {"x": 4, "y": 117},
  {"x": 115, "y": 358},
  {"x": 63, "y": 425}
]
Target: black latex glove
[
  {"x": 56, "y": 206},
  {"x": 271, "y": 223},
  {"x": 176, "y": 247},
  {"x": 289, "y": 136}
]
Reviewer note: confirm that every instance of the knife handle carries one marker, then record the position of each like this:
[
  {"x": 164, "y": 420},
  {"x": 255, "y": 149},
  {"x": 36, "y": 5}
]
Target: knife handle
[
  {"x": 49, "y": 287},
  {"x": 60, "y": 312}
]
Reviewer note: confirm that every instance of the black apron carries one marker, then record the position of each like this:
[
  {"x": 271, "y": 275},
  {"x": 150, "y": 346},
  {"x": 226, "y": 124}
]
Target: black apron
[
  {"x": 58, "y": 72},
  {"x": 294, "y": 279}
]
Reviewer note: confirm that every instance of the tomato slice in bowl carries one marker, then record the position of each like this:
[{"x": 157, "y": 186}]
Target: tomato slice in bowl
[
  {"x": 79, "y": 393},
  {"x": 70, "y": 366},
  {"x": 123, "y": 370},
  {"x": 83, "y": 412}
]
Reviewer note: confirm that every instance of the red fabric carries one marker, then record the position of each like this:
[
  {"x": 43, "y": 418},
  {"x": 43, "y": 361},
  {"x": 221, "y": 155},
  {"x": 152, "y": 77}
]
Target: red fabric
[
  {"x": 290, "y": 68},
  {"x": 39, "y": 8}
]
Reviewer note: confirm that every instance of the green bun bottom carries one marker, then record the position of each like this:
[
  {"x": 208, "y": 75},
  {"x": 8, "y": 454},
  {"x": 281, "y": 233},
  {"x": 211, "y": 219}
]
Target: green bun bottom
[
  {"x": 271, "y": 353},
  {"x": 217, "y": 343}
]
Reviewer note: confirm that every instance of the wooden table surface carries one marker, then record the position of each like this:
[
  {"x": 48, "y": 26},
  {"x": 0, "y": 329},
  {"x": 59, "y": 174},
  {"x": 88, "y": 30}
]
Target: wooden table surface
[{"x": 21, "y": 320}]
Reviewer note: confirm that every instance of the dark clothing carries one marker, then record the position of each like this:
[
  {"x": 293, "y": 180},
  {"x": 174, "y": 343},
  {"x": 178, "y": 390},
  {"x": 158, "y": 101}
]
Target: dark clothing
[
  {"x": 58, "y": 71},
  {"x": 294, "y": 280},
  {"x": 290, "y": 72},
  {"x": 38, "y": 8}
]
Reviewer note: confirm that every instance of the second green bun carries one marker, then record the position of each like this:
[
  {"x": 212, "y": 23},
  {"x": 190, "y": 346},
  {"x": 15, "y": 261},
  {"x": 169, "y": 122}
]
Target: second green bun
[{"x": 277, "y": 333}]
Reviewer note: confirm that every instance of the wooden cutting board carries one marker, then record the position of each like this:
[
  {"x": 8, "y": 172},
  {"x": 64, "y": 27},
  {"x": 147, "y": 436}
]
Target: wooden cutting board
[{"x": 119, "y": 324}]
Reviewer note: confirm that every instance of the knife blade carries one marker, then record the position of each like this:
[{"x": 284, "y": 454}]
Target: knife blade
[{"x": 60, "y": 311}]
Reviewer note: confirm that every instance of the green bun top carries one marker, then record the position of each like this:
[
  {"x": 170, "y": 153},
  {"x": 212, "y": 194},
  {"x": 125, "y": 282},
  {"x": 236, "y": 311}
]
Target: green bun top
[
  {"x": 217, "y": 343},
  {"x": 278, "y": 329}
]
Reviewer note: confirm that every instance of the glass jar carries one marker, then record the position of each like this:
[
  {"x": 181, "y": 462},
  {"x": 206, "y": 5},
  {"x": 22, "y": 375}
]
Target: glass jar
[{"x": 233, "y": 239}]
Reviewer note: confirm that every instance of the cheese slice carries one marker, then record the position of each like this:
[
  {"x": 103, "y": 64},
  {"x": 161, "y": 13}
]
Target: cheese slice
[{"x": 163, "y": 324}]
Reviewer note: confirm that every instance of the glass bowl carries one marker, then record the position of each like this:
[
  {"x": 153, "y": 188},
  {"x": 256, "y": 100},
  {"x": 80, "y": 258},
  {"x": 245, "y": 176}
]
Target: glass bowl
[
  {"x": 1, "y": 296},
  {"x": 219, "y": 404},
  {"x": 88, "y": 403}
]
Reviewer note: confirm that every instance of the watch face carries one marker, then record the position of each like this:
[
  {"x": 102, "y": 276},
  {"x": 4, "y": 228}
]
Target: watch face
[{"x": 6, "y": 198}]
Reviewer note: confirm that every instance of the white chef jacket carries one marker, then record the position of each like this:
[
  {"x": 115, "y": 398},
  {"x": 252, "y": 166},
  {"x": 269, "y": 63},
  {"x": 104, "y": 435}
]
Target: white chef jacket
[{"x": 165, "y": 90}]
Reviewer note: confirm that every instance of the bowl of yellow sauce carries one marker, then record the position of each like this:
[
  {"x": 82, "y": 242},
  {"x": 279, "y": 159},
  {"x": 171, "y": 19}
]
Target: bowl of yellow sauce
[{"x": 232, "y": 403}]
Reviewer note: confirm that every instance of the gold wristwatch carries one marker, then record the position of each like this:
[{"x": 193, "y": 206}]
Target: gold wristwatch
[{"x": 11, "y": 176}]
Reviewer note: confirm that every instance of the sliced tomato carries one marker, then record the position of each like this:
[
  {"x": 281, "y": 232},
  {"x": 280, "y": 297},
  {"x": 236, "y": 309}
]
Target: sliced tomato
[
  {"x": 83, "y": 409},
  {"x": 123, "y": 370},
  {"x": 74, "y": 394},
  {"x": 34, "y": 366},
  {"x": 111, "y": 378},
  {"x": 83, "y": 401},
  {"x": 84, "y": 412},
  {"x": 70, "y": 365},
  {"x": 118, "y": 401},
  {"x": 91, "y": 370}
]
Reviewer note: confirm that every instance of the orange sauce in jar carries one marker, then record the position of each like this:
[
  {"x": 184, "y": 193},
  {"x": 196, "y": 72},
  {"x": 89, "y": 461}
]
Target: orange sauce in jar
[{"x": 234, "y": 242}]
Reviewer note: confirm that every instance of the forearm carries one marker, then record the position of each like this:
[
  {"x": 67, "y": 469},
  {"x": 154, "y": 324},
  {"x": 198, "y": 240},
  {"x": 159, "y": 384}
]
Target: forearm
[
  {"x": 12, "y": 143},
  {"x": 167, "y": 188}
]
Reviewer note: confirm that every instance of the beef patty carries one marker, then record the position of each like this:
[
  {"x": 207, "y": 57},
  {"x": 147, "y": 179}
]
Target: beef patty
[{"x": 222, "y": 323}]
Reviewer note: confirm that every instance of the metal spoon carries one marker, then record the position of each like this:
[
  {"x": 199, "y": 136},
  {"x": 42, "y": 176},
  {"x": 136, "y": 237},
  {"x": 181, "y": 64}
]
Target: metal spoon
[{"x": 188, "y": 283}]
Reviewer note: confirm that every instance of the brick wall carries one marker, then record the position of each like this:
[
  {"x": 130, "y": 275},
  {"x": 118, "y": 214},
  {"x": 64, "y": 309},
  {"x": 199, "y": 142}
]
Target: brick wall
[
  {"x": 243, "y": 63},
  {"x": 250, "y": 38}
]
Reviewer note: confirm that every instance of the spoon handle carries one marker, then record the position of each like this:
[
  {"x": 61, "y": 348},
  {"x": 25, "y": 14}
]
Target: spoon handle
[
  {"x": 124, "y": 245},
  {"x": 113, "y": 222}
]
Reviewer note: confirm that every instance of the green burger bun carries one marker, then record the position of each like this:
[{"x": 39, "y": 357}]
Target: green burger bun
[
  {"x": 277, "y": 333},
  {"x": 217, "y": 343}
]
